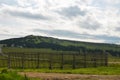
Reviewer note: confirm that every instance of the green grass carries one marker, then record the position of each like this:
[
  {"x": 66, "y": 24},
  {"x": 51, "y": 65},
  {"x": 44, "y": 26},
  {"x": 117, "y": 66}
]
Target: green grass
[
  {"x": 10, "y": 75},
  {"x": 32, "y": 50},
  {"x": 113, "y": 59},
  {"x": 13, "y": 75},
  {"x": 44, "y": 55},
  {"x": 113, "y": 69},
  {"x": 13, "y": 49}
]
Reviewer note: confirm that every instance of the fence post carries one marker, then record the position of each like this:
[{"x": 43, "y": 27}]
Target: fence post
[
  {"x": 23, "y": 60},
  {"x": 85, "y": 59},
  {"x": 100, "y": 58},
  {"x": 95, "y": 60},
  {"x": 38, "y": 61},
  {"x": 62, "y": 59},
  {"x": 106, "y": 59},
  {"x": 14, "y": 60},
  {"x": 95, "y": 65},
  {"x": 50, "y": 61},
  {"x": 9, "y": 61},
  {"x": 74, "y": 61}
]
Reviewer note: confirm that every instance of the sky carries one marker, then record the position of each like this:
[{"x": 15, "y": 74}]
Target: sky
[{"x": 82, "y": 20}]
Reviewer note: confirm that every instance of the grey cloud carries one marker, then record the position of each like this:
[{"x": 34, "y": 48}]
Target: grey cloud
[
  {"x": 26, "y": 15},
  {"x": 69, "y": 34},
  {"x": 63, "y": 33},
  {"x": 108, "y": 39},
  {"x": 89, "y": 25},
  {"x": 71, "y": 12},
  {"x": 117, "y": 29}
]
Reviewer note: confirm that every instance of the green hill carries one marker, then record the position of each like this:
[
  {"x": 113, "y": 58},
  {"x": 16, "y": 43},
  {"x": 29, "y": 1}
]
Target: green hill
[{"x": 32, "y": 41}]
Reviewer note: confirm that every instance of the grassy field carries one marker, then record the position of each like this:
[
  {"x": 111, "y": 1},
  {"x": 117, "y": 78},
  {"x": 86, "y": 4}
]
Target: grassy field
[
  {"x": 12, "y": 74},
  {"x": 51, "y": 58},
  {"x": 112, "y": 69},
  {"x": 31, "y": 50},
  {"x": 9, "y": 49}
]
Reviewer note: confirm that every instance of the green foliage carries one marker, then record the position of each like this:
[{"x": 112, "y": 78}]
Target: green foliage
[
  {"x": 4, "y": 71},
  {"x": 10, "y": 75}
]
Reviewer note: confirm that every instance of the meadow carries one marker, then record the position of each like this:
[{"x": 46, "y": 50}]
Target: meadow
[
  {"x": 46, "y": 58},
  {"x": 113, "y": 67}
]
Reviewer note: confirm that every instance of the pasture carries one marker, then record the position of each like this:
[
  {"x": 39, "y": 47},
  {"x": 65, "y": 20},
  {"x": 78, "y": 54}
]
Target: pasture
[
  {"x": 38, "y": 58},
  {"x": 34, "y": 61}
]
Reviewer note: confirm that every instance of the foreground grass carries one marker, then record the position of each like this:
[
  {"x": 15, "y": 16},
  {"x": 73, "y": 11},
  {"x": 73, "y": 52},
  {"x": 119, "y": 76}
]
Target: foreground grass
[
  {"x": 110, "y": 70},
  {"x": 9, "y": 75},
  {"x": 13, "y": 75}
]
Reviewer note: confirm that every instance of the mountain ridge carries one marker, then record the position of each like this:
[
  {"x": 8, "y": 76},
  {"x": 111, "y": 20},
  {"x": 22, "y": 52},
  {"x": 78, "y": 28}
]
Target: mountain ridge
[{"x": 32, "y": 41}]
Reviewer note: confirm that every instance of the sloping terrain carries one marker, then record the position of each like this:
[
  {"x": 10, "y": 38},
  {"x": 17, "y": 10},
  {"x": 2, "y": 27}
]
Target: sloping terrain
[{"x": 32, "y": 41}]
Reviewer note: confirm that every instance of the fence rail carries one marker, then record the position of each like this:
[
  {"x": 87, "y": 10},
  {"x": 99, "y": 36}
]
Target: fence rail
[{"x": 53, "y": 60}]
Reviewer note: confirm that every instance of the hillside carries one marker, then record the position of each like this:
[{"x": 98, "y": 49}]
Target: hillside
[{"x": 32, "y": 41}]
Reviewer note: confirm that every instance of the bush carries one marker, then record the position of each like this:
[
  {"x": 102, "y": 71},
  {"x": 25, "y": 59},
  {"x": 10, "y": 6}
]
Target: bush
[
  {"x": 10, "y": 75},
  {"x": 4, "y": 71}
]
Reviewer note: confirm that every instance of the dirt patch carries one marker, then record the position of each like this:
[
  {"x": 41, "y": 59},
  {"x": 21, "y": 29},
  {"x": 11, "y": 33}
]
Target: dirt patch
[{"x": 58, "y": 76}]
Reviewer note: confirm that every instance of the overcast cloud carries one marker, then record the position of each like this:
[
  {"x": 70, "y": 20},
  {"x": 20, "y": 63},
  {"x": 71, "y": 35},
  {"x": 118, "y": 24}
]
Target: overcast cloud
[{"x": 83, "y": 20}]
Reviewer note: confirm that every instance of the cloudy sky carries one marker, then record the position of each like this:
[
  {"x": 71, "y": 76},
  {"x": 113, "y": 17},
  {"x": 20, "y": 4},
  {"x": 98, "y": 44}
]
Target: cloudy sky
[{"x": 83, "y": 20}]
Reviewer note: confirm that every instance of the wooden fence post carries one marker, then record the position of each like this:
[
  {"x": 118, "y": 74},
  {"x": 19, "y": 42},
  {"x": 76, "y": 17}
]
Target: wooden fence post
[
  {"x": 102, "y": 58},
  {"x": 95, "y": 60},
  {"x": 74, "y": 64},
  {"x": 50, "y": 61},
  {"x": 106, "y": 59},
  {"x": 38, "y": 60},
  {"x": 9, "y": 61},
  {"x": 85, "y": 60},
  {"x": 14, "y": 60},
  {"x": 62, "y": 59},
  {"x": 23, "y": 59}
]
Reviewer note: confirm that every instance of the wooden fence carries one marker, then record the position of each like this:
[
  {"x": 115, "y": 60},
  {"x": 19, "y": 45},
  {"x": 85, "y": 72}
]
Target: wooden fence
[{"x": 53, "y": 60}]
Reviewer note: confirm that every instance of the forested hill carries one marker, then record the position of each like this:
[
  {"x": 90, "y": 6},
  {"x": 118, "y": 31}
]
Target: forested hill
[{"x": 58, "y": 44}]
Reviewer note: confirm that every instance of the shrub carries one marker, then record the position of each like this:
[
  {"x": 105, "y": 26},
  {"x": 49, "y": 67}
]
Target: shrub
[{"x": 11, "y": 75}]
